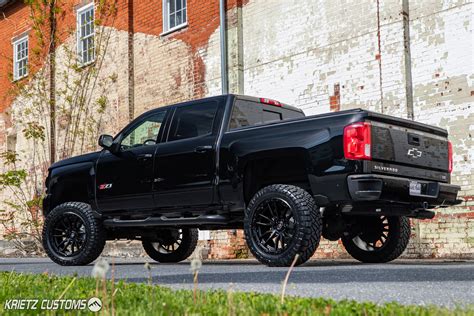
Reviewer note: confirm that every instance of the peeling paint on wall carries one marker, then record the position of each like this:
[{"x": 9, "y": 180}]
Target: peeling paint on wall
[{"x": 318, "y": 56}]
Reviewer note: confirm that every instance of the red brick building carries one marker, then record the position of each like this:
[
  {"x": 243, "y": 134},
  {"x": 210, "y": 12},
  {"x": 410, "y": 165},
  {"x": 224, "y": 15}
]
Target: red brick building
[{"x": 317, "y": 56}]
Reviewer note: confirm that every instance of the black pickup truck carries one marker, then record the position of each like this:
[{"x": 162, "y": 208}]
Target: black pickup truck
[{"x": 231, "y": 162}]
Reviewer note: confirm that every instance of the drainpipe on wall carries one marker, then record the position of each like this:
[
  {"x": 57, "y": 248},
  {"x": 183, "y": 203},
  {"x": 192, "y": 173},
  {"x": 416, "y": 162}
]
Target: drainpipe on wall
[
  {"x": 131, "y": 63},
  {"x": 224, "y": 72},
  {"x": 407, "y": 58},
  {"x": 379, "y": 57},
  {"x": 409, "y": 89}
]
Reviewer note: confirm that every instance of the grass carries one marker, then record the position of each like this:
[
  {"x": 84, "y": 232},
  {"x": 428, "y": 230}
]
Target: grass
[{"x": 145, "y": 299}]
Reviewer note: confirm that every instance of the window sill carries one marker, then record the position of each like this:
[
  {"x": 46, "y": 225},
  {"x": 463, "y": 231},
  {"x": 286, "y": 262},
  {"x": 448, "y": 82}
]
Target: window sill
[
  {"x": 84, "y": 65},
  {"x": 174, "y": 29},
  {"x": 19, "y": 78}
]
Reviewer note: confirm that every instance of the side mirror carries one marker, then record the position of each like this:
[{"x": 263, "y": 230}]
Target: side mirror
[{"x": 106, "y": 142}]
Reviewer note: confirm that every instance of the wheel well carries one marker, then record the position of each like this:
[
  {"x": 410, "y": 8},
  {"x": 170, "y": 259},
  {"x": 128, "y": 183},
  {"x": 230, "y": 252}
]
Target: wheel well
[
  {"x": 69, "y": 193},
  {"x": 262, "y": 172}
]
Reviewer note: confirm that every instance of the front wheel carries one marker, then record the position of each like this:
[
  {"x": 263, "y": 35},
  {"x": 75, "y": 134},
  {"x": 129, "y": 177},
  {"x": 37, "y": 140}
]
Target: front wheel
[
  {"x": 282, "y": 221},
  {"x": 72, "y": 235},
  {"x": 172, "y": 245},
  {"x": 377, "y": 239}
]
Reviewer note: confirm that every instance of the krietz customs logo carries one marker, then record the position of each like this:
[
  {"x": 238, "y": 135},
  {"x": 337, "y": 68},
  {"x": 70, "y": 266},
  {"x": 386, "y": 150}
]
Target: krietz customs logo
[{"x": 94, "y": 304}]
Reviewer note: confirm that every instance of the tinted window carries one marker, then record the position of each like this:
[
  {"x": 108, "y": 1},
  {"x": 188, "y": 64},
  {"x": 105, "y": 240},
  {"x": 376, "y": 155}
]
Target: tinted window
[
  {"x": 145, "y": 133},
  {"x": 270, "y": 116},
  {"x": 193, "y": 121},
  {"x": 250, "y": 113}
]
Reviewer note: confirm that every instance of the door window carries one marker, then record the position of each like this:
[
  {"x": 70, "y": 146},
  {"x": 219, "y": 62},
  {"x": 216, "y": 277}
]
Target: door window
[
  {"x": 193, "y": 121},
  {"x": 145, "y": 133}
]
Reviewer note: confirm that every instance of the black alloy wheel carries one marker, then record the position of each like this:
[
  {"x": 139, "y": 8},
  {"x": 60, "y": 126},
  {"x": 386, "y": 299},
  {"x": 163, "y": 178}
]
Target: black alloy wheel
[
  {"x": 377, "y": 239},
  {"x": 169, "y": 242},
  {"x": 68, "y": 235},
  {"x": 72, "y": 235},
  {"x": 274, "y": 225},
  {"x": 172, "y": 245},
  {"x": 282, "y": 221}
]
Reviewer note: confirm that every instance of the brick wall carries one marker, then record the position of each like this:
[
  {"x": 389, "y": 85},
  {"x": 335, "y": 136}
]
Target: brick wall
[
  {"x": 319, "y": 56},
  {"x": 324, "y": 57},
  {"x": 227, "y": 245},
  {"x": 16, "y": 24}
]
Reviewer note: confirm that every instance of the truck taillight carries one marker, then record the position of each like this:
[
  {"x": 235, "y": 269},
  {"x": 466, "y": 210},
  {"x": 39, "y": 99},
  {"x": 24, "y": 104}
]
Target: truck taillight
[
  {"x": 270, "y": 102},
  {"x": 450, "y": 157},
  {"x": 357, "y": 141}
]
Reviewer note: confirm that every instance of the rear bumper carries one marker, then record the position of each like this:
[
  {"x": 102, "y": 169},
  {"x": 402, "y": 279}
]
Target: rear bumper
[{"x": 371, "y": 187}]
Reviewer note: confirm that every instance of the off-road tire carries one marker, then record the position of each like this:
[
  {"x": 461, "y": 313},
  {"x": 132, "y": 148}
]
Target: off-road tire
[
  {"x": 185, "y": 249},
  {"x": 95, "y": 234},
  {"x": 399, "y": 236},
  {"x": 308, "y": 225}
]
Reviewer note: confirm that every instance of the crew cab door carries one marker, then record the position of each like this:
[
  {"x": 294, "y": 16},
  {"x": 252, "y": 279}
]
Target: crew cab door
[
  {"x": 185, "y": 162},
  {"x": 124, "y": 179}
]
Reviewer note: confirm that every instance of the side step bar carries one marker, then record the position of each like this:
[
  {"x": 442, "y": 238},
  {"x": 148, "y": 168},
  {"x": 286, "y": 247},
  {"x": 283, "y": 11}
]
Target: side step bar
[{"x": 165, "y": 221}]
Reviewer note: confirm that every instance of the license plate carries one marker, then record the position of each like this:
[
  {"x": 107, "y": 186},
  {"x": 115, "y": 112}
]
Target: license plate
[{"x": 415, "y": 188}]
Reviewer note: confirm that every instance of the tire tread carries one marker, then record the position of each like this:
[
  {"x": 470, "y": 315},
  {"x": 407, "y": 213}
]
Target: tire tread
[
  {"x": 397, "y": 246},
  {"x": 310, "y": 222},
  {"x": 96, "y": 239}
]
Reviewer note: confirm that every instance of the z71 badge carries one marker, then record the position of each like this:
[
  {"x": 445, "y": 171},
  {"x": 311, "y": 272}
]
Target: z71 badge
[{"x": 105, "y": 186}]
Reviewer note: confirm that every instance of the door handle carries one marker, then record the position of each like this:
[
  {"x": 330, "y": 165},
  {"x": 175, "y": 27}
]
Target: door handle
[
  {"x": 144, "y": 157},
  {"x": 203, "y": 149}
]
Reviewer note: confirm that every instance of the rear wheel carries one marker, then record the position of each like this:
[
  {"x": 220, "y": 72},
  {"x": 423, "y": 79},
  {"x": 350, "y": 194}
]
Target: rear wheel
[
  {"x": 172, "y": 245},
  {"x": 282, "y": 221},
  {"x": 377, "y": 239}
]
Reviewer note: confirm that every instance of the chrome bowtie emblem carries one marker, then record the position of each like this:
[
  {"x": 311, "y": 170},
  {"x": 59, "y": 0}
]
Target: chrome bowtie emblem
[{"x": 415, "y": 153}]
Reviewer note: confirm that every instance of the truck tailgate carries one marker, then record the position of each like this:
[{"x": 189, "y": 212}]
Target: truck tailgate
[{"x": 409, "y": 149}]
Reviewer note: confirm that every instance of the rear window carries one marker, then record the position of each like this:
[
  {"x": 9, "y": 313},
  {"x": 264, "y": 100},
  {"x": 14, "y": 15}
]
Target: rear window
[{"x": 249, "y": 113}]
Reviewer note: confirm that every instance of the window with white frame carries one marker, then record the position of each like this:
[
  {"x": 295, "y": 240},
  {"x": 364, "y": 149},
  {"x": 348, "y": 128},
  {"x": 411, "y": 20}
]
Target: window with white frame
[
  {"x": 20, "y": 58},
  {"x": 86, "y": 34},
  {"x": 174, "y": 14}
]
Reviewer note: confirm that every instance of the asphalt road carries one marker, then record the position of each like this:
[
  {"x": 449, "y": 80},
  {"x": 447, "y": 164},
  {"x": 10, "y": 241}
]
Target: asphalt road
[{"x": 404, "y": 281}]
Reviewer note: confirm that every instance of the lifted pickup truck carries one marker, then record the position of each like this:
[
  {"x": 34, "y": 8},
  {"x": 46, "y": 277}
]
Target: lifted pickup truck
[{"x": 231, "y": 162}]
